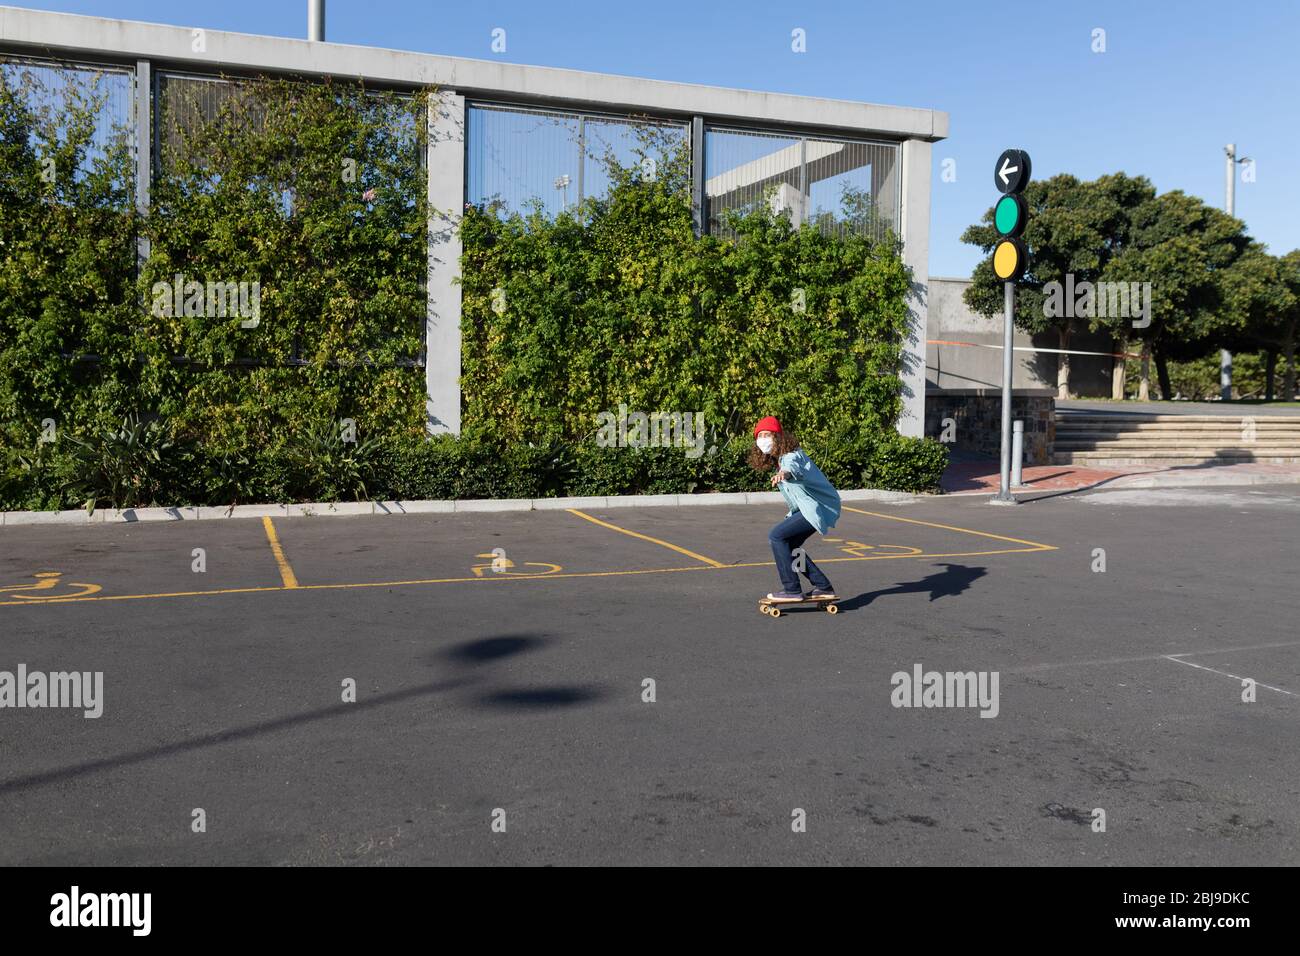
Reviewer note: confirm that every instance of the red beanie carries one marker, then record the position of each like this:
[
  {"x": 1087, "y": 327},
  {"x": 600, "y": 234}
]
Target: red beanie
[{"x": 768, "y": 424}]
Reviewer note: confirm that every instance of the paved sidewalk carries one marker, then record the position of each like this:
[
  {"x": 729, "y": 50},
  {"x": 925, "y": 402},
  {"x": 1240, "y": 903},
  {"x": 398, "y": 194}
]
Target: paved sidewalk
[
  {"x": 1182, "y": 476},
  {"x": 980, "y": 476}
]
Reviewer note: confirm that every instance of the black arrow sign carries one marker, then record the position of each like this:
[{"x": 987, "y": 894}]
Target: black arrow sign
[{"x": 1012, "y": 170}]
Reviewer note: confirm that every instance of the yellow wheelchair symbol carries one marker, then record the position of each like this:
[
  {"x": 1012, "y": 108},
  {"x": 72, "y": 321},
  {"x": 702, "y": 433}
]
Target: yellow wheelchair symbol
[
  {"x": 857, "y": 548},
  {"x": 503, "y": 565},
  {"x": 47, "y": 583}
]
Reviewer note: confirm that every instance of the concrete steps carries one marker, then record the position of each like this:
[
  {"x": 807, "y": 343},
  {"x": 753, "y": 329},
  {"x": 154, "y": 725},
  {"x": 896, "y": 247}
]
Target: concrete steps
[{"x": 1099, "y": 439}]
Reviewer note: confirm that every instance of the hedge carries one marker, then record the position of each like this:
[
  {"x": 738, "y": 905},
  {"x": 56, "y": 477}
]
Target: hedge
[
  {"x": 111, "y": 395},
  {"x": 441, "y": 468},
  {"x": 620, "y": 303}
]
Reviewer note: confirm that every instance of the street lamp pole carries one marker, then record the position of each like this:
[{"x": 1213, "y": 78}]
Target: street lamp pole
[
  {"x": 1230, "y": 183},
  {"x": 316, "y": 20}
]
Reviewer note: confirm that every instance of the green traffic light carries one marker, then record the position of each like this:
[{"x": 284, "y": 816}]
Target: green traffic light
[{"x": 1009, "y": 215}]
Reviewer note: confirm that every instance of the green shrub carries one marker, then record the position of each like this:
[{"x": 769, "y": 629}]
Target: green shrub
[
  {"x": 240, "y": 475},
  {"x": 617, "y": 303},
  {"x": 339, "y": 260},
  {"x": 33, "y": 480},
  {"x": 621, "y": 304},
  {"x": 319, "y": 467},
  {"x": 415, "y": 469},
  {"x": 67, "y": 260},
  {"x": 129, "y": 465},
  {"x": 899, "y": 463},
  {"x": 254, "y": 192},
  {"x": 445, "y": 468},
  {"x": 325, "y": 464}
]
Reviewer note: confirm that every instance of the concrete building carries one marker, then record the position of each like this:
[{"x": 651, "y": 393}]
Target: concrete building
[
  {"x": 493, "y": 120},
  {"x": 977, "y": 362}
]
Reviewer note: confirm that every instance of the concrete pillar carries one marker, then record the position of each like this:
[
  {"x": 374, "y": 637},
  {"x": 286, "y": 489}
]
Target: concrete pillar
[
  {"x": 800, "y": 212},
  {"x": 884, "y": 187},
  {"x": 142, "y": 94},
  {"x": 787, "y": 197},
  {"x": 914, "y": 225},
  {"x": 446, "y": 170},
  {"x": 698, "y": 212}
]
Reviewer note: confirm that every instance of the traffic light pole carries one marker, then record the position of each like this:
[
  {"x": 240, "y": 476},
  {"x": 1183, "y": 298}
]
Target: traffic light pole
[
  {"x": 1010, "y": 258},
  {"x": 1009, "y": 307}
]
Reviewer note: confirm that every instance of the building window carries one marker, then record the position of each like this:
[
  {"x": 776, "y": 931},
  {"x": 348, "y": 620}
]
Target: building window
[
  {"x": 48, "y": 90},
  {"x": 839, "y": 186},
  {"x": 518, "y": 159}
]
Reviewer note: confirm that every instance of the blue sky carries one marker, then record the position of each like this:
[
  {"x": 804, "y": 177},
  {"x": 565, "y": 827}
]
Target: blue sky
[{"x": 1178, "y": 79}]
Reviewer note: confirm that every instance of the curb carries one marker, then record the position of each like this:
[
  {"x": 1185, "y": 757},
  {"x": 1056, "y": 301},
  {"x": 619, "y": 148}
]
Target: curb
[
  {"x": 343, "y": 509},
  {"x": 1201, "y": 481},
  {"x": 1148, "y": 481}
]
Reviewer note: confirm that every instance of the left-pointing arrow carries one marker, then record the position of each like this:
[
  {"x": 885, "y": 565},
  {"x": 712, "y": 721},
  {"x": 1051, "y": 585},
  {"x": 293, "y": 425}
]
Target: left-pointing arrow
[
  {"x": 1007, "y": 168},
  {"x": 1012, "y": 170}
]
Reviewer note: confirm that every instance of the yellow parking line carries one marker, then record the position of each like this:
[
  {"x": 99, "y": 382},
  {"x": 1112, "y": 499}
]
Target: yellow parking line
[
  {"x": 365, "y": 584},
  {"x": 646, "y": 537},
  {"x": 286, "y": 572},
  {"x": 139, "y": 597},
  {"x": 496, "y": 578},
  {"x": 896, "y": 557},
  {"x": 947, "y": 527},
  {"x": 291, "y": 581}
]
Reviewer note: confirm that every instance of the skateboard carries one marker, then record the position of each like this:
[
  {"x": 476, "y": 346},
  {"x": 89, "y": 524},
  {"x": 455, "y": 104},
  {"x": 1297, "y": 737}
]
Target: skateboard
[{"x": 773, "y": 608}]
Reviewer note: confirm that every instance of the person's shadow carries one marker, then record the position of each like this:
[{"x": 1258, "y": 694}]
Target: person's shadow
[{"x": 953, "y": 580}]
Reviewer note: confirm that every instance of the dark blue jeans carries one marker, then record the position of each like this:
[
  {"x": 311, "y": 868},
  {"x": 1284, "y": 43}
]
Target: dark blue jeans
[{"x": 784, "y": 538}]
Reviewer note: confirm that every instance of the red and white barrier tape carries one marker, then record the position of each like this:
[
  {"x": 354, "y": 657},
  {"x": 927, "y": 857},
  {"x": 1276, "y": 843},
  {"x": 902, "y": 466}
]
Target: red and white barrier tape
[{"x": 1025, "y": 348}]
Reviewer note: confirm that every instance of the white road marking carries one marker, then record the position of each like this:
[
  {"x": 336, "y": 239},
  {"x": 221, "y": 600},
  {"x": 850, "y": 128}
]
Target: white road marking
[
  {"x": 1179, "y": 660},
  {"x": 1188, "y": 498},
  {"x": 1030, "y": 668}
]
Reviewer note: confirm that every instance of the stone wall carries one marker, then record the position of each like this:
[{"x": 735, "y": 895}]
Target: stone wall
[{"x": 977, "y": 415}]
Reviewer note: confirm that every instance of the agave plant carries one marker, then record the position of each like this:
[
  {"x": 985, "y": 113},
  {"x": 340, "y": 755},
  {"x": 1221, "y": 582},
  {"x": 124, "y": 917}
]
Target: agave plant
[
  {"x": 124, "y": 466},
  {"x": 232, "y": 476},
  {"x": 327, "y": 466}
]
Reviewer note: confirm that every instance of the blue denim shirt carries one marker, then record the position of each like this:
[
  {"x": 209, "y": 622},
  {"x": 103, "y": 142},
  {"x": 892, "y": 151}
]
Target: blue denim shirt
[{"x": 808, "y": 492}]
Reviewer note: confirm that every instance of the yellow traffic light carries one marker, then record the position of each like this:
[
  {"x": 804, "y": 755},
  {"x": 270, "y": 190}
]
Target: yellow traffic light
[{"x": 1009, "y": 259}]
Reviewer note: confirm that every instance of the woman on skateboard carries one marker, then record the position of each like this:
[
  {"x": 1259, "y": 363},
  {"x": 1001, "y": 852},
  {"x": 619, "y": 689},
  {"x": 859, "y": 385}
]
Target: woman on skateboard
[{"x": 814, "y": 506}]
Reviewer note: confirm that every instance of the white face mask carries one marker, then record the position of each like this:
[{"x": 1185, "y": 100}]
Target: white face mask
[{"x": 766, "y": 444}]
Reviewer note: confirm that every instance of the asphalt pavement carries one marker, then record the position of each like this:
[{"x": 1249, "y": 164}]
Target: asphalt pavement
[{"x": 598, "y": 687}]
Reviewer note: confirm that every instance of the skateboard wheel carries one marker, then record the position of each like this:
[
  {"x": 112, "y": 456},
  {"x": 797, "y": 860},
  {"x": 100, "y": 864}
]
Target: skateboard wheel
[
  {"x": 832, "y": 609},
  {"x": 775, "y": 612}
]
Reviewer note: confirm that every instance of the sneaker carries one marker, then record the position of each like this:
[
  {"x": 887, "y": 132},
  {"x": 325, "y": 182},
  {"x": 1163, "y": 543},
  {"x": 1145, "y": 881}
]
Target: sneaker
[
  {"x": 788, "y": 596},
  {"x": 819, "y": 594}
]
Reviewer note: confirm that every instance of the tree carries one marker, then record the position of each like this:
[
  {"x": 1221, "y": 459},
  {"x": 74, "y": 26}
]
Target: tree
[
  {"x": 1127, "y": 194},
  {"x": 1263, "y": 292},
  {"x": 1291, "y": 276},
  {"x": 1116, "y": 229},
  {"x": 1183, "y": 248},
  {"x": 1075, "y": 228},
  {"x": 1256, "y": 290}
]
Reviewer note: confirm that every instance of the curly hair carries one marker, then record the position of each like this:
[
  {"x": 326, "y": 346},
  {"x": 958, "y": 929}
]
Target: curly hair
[{"x": 783, "y": 442}]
